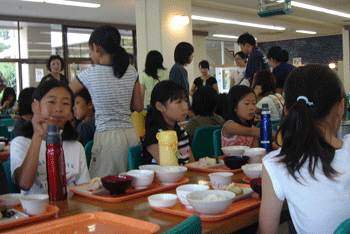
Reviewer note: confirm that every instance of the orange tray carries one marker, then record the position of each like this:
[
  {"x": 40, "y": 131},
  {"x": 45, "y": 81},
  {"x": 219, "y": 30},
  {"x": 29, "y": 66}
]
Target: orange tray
[
  {"x": 234, "y": 209},
  {"x": 246, "y": 179},
  {"x": 50, "y": 211},
  {"x": 193, "y": 167},
  {"x": 130, "y": 193},
  {"x": 96, "y": 222}
]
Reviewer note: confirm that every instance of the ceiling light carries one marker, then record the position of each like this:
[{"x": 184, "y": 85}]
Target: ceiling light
[
  {"x": 306, "y": 32},
  {"x": 225, "y": 21},
  {"x": 67, "y": 3},
  {"x": 320, "y": 9},
  {"x": 225, "y": 36}
]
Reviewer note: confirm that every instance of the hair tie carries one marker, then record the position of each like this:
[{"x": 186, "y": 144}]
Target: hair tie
[{"x": 305, "y": 99}]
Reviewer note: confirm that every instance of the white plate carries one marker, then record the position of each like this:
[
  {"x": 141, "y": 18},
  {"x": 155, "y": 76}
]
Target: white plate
[
  {"x": 247, "y": 192},
  {"x": 86, "y": 189},
  {"x": 18, "y": 215},
  {"x": 196, "y": 164}
]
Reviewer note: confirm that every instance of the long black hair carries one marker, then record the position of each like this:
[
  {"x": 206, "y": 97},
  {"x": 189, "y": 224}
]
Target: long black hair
[
  {"x": 108, "y": 37},
  {"x": 303, "y": 142},
  {"x": 7, "y": 92},
  {"x": 69, "y": 133},
  {"x": 236, "y": 94},
  {"x": 154, "y": 61},
  {"x": 163, "y": 92}
]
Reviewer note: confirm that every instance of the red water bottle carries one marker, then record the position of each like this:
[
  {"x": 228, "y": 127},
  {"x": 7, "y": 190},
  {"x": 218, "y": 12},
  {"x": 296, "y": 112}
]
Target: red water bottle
[{"x": 55, "y": 165}]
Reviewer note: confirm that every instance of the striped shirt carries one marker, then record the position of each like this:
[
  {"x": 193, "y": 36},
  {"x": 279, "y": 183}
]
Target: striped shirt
[{"x": 110, "y": 95}]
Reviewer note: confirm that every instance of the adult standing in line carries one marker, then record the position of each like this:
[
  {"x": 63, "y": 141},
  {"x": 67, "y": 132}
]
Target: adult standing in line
[
  {"x": 278, "y": 59},
  {"x": 257, "y": 59},
  {"x": 55, "y": 65},
  {"x": 205, "y": 79},
  {"x": 237, "y": 76},
  {"x": 183, "y": 55}
]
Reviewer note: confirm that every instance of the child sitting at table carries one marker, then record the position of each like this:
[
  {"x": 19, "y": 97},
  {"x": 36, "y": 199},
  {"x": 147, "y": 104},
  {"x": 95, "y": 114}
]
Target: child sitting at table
[
  {"x": 168, "y": 107},
  {"x": 239, "y": 116},
  {"x": 52, "y": 105},
  {"x": 24, "y": 108},
  {"x": 311, "y": 170},
  {"x": 8, "y": 101},
  {"x": 84, "y": 111}
]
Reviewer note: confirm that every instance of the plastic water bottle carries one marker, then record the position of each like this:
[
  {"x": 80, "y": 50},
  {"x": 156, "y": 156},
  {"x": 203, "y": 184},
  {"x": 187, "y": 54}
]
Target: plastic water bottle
[
  {"x": 265, "y": 128},
  {"x": 55, "y": 165}
]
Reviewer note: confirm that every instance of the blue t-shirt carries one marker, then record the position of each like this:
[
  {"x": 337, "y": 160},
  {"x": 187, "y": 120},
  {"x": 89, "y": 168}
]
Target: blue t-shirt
[
  {"x": 257, "y": 61},
  {"x": 281, "y": 72}
]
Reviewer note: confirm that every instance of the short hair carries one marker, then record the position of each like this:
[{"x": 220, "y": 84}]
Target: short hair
[
  {"x": 240, "y": 54},
  {"x": 267, "y": 80},
  {"x": 203, "y": 64},
  {"x": 54, "y": 57},
  {"x": 25, "y": 100},
  {"x": 246, "y": 38},
  {"x": 84, "y": 94},
  {"x": 205, "y": 100},
  {"x": 182, "y": 52},
  {"x": 278, "y": 54}
]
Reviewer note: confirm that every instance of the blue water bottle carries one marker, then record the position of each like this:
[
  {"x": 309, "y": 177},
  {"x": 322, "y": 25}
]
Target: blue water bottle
[{"x": 265, "y": 128}]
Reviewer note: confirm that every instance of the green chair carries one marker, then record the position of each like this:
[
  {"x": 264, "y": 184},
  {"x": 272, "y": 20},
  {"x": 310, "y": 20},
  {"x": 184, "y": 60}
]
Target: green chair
[
  {"x": 343, "y": 228},
  {"x": 88, "y": 148},
  {"x": 12, "y": 186},
  {"x": 5, "y": 116},
  {"x": 12, "y": 135},
  {"x": 4, "y": 132},
  {"x": 202, "y": 143},
  {"x": 8, "y": 122},
  {"x": 134, "y": 157},
  {"x": 217, "y": 142},
  {"x": 191, "y": 225},
  {"x": 274, "y": 124}
]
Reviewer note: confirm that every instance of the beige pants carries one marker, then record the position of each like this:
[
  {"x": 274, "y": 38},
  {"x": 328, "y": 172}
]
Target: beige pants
[{"x": 109, "y": 152}]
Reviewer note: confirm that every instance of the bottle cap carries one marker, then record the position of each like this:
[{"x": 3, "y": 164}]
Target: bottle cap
[{"x": 265, "y": 105}]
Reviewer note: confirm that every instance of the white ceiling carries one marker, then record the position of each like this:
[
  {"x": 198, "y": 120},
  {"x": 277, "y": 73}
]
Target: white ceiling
[{"x": 123, "y": 12}]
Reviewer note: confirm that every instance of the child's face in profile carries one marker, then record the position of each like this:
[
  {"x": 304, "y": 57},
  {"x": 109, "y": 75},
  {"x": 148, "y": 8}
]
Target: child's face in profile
[
  {"x": 246, "y": 108},
  {"x": 80, "y": 108}
]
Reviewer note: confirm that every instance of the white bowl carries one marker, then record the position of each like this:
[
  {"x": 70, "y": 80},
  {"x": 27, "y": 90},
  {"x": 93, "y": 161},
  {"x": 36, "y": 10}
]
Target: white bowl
[
  {"x": 169, "y": 175},
  {"x": 252, "y": 170},
  {"x": 255, "y": 154},
  {"x": 2, "y": 145},
  {"x": 219, "y": 179},
  {"x": 234, "y": 150},
  {"x": 141, "y": 178},
  {"x": 162, "y": 200},
  {"x": 149, "y": 167},
  {"x": 10, "y": 200},
  {"x": 34, "y": 204},
  {"x": 185, "y": 189},
  {"x": 210, "y": 207}
]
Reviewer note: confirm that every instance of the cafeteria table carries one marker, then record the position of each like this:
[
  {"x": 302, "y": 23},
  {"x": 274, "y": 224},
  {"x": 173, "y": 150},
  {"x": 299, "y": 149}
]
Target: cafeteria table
[{"x": 138, "y": 208}]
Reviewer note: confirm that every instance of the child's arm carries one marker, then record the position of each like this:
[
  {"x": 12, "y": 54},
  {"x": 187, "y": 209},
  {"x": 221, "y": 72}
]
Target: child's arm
[
  {"x": 191, "y": 159},
  {"x": 270, "y": 208},
  {"x": 137, "y": 99},
  {"x": 143, "y": 90},
  {"x": 76, "y": 86},
  {"x": 232, "y": 128},
  {"x": 154, "y": 151},
  {"x": 6, "y": 104}
]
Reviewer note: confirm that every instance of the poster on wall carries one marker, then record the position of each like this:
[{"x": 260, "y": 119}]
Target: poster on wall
[
  {"x": 39, "y": 73},
  {"x": 297, "y": 62}
]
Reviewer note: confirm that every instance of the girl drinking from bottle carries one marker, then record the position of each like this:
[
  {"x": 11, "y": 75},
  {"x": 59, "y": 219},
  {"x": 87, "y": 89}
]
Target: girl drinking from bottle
[
  {"x": 168, "y": 107},
  {"x": 52, "y": 105},
  {"x": 114, "y": 89},
  {"x": 311, "y": 170},
  {"x": 239, "y": 116}
]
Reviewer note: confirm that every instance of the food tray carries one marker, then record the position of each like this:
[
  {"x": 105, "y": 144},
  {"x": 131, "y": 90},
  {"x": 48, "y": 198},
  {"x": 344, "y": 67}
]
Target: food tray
[
  {"x": 50, "y": 211},
  {"x": 96, "y": 222},
  {"x": 246, "y": 179},
  {"x": 130, "y": 193},
  {"x": 221, "y": 167},
  {"x": 240, "y": 204}
]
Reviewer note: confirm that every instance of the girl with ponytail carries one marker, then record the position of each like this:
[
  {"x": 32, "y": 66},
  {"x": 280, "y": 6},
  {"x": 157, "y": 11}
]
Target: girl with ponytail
[
  {"x": 311, "y": 170},
  {"x": 114, "y": 88}
]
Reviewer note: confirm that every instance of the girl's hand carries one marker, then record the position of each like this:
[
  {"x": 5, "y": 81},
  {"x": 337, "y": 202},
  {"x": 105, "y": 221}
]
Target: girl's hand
[
  {"x": 39, "y": 122},
  {"x": 6, "y": 103}
]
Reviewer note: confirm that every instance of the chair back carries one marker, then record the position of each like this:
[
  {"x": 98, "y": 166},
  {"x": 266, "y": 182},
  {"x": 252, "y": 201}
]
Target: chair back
[
  {"x": 88, "y": 148},
  {"x": 8, "y": 122},
  {"x": 4, "y": 132},
  {"x": 134, "y": 157},
  {"x": 202, "y": 143},
  {"x": 5, "y": 116},
  {"x": 343, "y": 228},
  {"x": 217, "y": 142},
  {"x": 191, "y": 225},
  {"x": 12, "y": 186},
  {"x": 12, "y": 135}
]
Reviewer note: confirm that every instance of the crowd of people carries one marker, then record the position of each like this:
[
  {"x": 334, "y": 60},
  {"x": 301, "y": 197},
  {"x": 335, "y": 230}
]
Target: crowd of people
[{"x": 309, "y": 102}]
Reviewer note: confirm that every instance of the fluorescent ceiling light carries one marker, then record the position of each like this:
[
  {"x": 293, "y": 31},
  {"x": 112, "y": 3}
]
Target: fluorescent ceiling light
[
  {"x": 306, "y": 32},
  {"x": 224, "y": 21},
  {"x": 320, "y": 9},
  {"x": 67, "y": 3},
  {"x": 225, "y": 36}
]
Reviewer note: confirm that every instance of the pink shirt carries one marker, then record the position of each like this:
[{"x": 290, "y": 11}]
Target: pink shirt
[{"x": 236, "y": 140}]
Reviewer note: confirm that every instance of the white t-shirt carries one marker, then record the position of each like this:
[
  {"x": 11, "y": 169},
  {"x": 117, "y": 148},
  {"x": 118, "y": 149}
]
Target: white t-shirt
[
  {"x": 110, "y": 95},
  {"x": 275, "y": 102},
  {"x": 316, "y": 206},
  {"x": 74, "y": 156},
  {"x": 237, "y": 75}
]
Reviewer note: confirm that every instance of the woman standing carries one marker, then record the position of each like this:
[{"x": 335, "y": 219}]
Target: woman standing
[
  {"x": 237, "y": 76},
  {"x": 205, "y": 79},
  {"x": 55, "y": 65},
  {"x": 154, "y": 73}
]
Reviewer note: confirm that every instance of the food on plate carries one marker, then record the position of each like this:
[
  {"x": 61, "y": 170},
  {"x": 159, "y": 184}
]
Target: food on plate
[
  {"x": 6, "y": 213},
  {"x": 232, "y": 188},
  {"x": 213, "y": 197},
  {"x": 207, "y": 161},
  {"x": 95, "y": 184}
]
